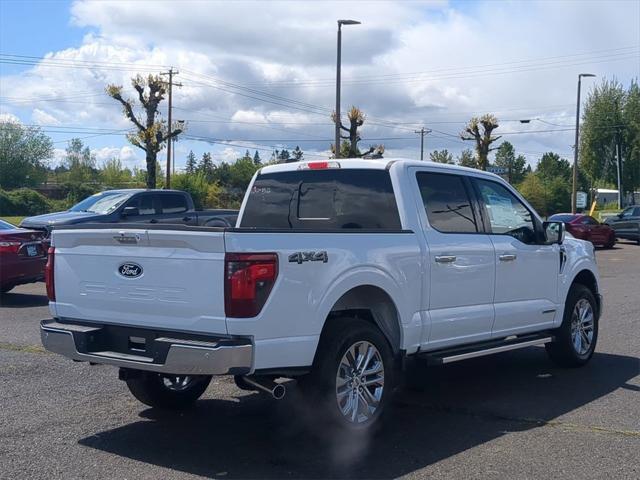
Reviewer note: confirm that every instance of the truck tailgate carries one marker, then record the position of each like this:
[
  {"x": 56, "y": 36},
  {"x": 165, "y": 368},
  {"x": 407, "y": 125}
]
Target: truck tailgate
[{"x": 159, "y": 278}]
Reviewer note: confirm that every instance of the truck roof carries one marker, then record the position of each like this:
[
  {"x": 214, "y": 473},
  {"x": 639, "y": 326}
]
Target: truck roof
[{"x": 375, "y": 164}]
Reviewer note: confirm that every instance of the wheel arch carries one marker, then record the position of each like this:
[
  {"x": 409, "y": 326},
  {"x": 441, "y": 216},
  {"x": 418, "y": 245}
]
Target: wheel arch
[{"x": 588, "y": 279}]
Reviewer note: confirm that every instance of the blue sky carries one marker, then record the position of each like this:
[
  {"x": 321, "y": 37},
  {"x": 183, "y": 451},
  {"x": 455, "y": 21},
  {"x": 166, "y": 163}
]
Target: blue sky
[{"x": 409, "y": 64}]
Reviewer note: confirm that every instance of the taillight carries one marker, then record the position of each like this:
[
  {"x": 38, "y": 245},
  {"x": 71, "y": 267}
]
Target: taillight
[
  {"x": 48, "y": 274},
  {"x": 249, "y": 278},
  {"x": 9, "y": 247}
]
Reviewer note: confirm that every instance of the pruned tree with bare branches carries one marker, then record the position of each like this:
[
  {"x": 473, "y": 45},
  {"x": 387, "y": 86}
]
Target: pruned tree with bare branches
[
  {"x": 151, "y": 132},
  {"x": 480, "y": 130},
  {"x": 349, "y": 148}
]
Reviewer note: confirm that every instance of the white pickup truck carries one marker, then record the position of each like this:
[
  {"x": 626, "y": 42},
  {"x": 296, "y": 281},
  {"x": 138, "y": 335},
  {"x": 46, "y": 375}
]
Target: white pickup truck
[{"x": 336, "y": 272}]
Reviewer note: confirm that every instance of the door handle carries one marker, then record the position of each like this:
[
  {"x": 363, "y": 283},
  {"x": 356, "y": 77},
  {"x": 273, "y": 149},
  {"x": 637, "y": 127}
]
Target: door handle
[
  {"x": 186, "y": 219},
  {"x": 445, "y": 258},
  {"x": 153, "y": 220},
  {"x": 507, "y": 257}
]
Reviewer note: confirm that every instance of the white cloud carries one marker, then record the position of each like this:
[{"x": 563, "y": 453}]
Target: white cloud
[
  {"x": 409, "y": 62},
  {"x": 41, "y": 117}
]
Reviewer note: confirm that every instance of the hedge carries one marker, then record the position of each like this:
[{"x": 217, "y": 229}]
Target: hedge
[{"x": 23, "y": 202}]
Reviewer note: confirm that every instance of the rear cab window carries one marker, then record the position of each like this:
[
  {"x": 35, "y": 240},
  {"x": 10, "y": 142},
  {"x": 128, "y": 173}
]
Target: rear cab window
[
  {"x": 173, "y": 203},
  {"x": 331, "y": 199}
]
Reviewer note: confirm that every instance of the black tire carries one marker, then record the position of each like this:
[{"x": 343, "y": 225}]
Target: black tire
[
  {"x": 151, "y": 389},
  {"x": 320, "y": 386},
  {"x": 6, "y": 288},
  {"x": 564, "y": 351}
]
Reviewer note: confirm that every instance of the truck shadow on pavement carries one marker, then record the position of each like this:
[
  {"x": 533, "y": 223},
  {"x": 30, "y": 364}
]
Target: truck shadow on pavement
[
  {"x": 462, "y": 406},
  {"x": 22, "y": 300}
]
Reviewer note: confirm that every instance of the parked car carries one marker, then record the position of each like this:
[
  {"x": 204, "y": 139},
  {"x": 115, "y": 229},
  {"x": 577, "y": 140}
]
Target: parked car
[
  {"x": 588, "y": 228},
  {"x": 627, "y": 223},
  {"x": 22, "y": 256},
  {"x": 337, "y": 273},
  {"x": 134, "y": 206}
]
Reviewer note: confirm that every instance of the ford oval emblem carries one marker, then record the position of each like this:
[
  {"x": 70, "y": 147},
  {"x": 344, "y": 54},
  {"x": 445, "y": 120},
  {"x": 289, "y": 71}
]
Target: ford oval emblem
[{"x": 130, "y": 270}]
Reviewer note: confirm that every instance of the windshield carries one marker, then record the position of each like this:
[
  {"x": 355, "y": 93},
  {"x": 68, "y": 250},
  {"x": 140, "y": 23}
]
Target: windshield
[
  {"x": 109, "y": 203},
  {"x": 85, "y": 204},
  {"x": 6, "y": 225}
]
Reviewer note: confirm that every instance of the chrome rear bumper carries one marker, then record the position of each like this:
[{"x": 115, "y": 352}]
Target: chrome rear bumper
[{"x": 87, "y": 343}]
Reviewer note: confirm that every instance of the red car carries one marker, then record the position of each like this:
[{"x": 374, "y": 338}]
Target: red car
[
  {"x": 588, "y": 228},
  {"x": 22, "y": 256}
]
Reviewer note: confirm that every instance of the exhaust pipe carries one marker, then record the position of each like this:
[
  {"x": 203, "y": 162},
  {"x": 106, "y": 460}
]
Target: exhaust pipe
[{"x": 276, "y": 390}]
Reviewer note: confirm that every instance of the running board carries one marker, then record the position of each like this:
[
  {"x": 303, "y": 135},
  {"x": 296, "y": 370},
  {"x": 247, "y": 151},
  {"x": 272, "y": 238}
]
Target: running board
[{"x": 440, "y": 357}]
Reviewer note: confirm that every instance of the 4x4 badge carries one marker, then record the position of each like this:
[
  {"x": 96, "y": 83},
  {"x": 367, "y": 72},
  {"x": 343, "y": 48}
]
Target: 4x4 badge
[{"x": 300, "y": 257}]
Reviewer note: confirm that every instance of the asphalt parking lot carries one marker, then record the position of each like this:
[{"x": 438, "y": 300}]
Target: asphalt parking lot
[{"x": 514, "y": 415}]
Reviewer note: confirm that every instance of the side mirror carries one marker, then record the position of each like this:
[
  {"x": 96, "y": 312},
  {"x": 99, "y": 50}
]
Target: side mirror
[
  {"x": 553, "y": 232},
  {"x": 130, "y": 212},
  {"x": 619, "y": 215}
]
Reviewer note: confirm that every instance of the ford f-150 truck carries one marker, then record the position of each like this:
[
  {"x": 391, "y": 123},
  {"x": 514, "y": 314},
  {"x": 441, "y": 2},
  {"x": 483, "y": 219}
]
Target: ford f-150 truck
[
  {"x": 134, "y": 205},
  {"x": 336, "y": 273}
]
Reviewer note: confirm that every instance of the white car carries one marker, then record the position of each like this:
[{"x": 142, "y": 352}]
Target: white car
[{"x": 335, "y": 273}]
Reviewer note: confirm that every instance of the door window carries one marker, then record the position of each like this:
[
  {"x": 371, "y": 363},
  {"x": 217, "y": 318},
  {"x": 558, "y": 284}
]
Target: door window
[
  {"x": 144, "y": 204},
  {"x": 506, "y": 213},
  {"x": 447, "y": 202},
  {"x": 173, "y": 203}
]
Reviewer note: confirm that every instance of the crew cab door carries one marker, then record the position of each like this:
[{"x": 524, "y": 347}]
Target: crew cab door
[
  {"x": 625, "y": 224},
  {"x": 527, "y": 271},
  {"x": 460, "y": 259},
  {"x": 174, "y": 208},
  {"x": 146, "y": 209}
]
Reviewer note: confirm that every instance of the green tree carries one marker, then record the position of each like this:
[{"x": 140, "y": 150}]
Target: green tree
[
  {"x": 466, "y": 159},
  {"x": 256, "y": 158},
  {"x": 80, "y": 162},
  {"x": 514, "y": 165},
  {"x": 552, "y": 166},
  {"x": 151, "y": 133},
  {"x": 113, "y": 174},
  {"x": 631, "y": 139},
  {"x": 349, "y": 147},
  {"x": 24, "y": 152},
  {"x": 206, "y": 166},
  {"x": 479, "y": 130},
  {"x": 441, "y": 156},
  {"x": 603, "y": 125},
  {"x": 298, "y": 155},
  {"x": 241, "y": 173},
  {"x": 192, "y": 165},
  {"x": 283, "y": 156}
]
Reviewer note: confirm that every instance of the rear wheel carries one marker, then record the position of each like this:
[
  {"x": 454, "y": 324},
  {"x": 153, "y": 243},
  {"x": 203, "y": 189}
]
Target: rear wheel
[
  {"x": 576, "y": 338},
  {"x": 353, "y": 376},
  {"x": 173, "y": 392}
]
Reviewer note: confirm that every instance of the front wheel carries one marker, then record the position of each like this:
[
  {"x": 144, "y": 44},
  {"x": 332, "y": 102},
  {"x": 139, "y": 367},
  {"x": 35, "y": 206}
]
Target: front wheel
[
  {"x": 172, "y": 392},
  {"x": 353, "y": 376},
  {"x": 576, "y": 338}
]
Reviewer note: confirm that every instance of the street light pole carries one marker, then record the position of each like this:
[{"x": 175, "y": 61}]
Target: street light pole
[
  {"x": 339, "y": 55},
  {"x": 574, "y": 189}
]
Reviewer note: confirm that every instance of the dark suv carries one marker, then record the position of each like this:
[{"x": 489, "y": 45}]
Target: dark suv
[{"x": 627, "y": 223}]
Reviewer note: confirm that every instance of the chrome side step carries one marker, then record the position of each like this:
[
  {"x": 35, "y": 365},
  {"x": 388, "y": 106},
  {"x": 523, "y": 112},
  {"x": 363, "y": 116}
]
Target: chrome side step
[{"x": 487, "y": 348}]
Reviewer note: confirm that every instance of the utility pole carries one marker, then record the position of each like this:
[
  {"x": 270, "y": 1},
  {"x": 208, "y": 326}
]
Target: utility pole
[
  {"x": 422, "y": 132},
  {"x": 171, "y": 73},
  {"x": 619, "y": 168},
  {"x": 338, "y": 68}
]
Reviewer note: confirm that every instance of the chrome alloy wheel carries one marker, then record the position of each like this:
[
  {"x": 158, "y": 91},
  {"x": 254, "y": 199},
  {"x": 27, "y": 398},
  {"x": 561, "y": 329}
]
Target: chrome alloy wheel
[
  {"x": 360, "y": 382},
  {"x": 582, "y": 322},
  {"x": 177, "y": 383}
]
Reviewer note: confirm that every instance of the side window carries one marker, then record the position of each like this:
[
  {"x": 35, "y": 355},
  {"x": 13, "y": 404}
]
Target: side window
[
  {"x": 144, "y": 204},
  {"x": 507, "y": 215},
  {"x": 637, "y": 212},
  {"x": 447, "y": 202},
  {"x": 173, "y": 203}
]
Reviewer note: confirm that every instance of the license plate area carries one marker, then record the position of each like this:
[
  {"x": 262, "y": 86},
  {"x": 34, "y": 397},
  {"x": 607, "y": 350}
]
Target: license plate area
[{"x": 32, "y": 250}]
